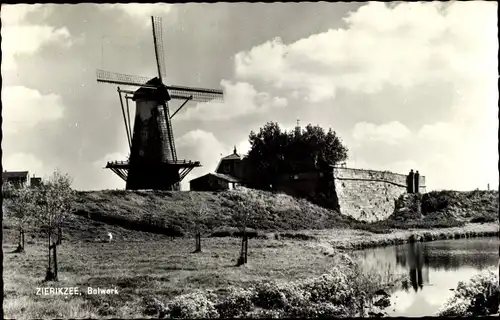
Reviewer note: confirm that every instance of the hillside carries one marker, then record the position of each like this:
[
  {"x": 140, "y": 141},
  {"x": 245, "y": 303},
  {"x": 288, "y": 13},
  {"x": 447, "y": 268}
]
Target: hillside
[
  {"x": 158, "y": 213},
  {"x": 467, "y": 206},
  {"x": 176, "y": 213},
  {"x": 462, "y": 205}
]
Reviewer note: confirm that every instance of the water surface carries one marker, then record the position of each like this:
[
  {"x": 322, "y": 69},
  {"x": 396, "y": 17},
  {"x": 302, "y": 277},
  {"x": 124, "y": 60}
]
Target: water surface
[{"x": 433, "y": 267}]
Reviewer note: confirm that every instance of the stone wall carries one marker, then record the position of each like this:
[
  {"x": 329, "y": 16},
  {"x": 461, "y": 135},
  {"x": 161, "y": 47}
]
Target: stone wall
[{"x": 369, "y": 195}]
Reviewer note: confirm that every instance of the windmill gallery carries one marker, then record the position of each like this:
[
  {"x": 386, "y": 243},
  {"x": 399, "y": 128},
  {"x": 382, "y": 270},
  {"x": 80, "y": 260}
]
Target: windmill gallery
[{"x": 153, "y": 162}]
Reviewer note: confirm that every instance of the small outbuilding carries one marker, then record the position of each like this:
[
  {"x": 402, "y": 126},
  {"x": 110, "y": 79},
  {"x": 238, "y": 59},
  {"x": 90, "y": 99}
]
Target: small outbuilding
[
  {"x": 16, "y": 178},
  {"x": 213, "y": 182}
]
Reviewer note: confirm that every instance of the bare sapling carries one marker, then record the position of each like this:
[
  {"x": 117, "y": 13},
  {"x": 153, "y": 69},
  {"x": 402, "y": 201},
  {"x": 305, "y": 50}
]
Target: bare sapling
[
  {"x": 199, "y": 218},
  {"x": 19, "y": 203},
  {"x": 241, "y": 217}
]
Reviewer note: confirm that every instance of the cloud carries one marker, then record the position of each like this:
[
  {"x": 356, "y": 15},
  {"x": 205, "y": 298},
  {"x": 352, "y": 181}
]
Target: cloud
[
  {"x": 203, "y": 146},
  {"x": 16, "y": 14},
  {"x": 392, "y": 133},
  {"x": 243, "y": 147},
  {"x": 25, "y": 162},
  {"x": 25, "y": 107},
  {"x": 441, "y": 131},
  {"x": 140, "y": 13},
  {"x": 413, "y": 43},
  {"x": 240, "y": 99},
  {"x": 20, "y": 38}
]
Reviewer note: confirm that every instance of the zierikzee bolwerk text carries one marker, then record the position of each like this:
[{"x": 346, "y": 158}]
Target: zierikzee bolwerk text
[{"x": 66, "y": 291}]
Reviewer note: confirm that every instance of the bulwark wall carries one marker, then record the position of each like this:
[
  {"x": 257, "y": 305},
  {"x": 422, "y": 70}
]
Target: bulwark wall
[{"x": 369, "y": 195}]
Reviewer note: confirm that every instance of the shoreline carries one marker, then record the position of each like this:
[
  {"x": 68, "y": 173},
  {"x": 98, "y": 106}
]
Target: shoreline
[{"x": 355, "y": 239}]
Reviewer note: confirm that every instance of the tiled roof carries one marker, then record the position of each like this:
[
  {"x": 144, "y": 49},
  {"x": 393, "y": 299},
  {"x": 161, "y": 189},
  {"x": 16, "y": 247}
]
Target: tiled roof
[
  {"x": 221, "y": 176},
  {"x": 14, "y": 174},
  {"x": 233, "y": 156},
  {"x": 226, "y": 177}
]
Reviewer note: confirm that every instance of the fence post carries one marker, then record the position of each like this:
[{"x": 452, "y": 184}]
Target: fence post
[{"x": 246, "y": 247}]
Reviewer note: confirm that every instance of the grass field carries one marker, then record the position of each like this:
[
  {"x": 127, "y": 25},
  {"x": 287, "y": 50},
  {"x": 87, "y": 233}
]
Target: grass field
[{"x": 160, "y": 268}]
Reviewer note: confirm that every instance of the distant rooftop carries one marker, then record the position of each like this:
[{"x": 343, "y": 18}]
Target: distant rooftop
[
  {"x": 232, "y": 156},
  {"x": 221, "y": 176},
  {"x": 14, "y": 174}
]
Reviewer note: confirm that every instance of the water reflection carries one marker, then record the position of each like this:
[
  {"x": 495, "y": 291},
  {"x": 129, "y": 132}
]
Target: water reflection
[
  {"x": 433, "y": 268},
  {"x": 417, "y": 258}
]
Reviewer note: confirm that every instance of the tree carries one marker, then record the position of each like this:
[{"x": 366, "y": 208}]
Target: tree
[
  {"x": 241, "y": 216},
  {"x": 54, "y": 201},
  {"x": 274, "y": 152},
  {"x": 199, "y": 219},
  {"x": 20, "y": 207}
]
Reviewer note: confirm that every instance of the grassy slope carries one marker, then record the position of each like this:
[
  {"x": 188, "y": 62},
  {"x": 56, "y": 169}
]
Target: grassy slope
[
  {"x": 176, "y": 212},
  {"x": 462, "y": 205},
  {"x": 441, "y": 209}
]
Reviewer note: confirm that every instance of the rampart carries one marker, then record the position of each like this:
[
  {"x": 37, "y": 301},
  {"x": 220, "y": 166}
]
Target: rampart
[{"x": 369, "y": 195}]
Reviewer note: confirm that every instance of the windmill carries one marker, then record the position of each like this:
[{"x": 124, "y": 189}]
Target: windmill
[{"x": 153, "y": 162}]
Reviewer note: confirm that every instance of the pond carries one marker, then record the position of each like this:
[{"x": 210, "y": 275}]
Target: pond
[{"x": 433, "y": 267}]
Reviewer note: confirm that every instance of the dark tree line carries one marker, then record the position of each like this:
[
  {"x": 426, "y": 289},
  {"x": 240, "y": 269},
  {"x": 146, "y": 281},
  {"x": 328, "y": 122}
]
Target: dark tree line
[{"x": 275, "y": 152}]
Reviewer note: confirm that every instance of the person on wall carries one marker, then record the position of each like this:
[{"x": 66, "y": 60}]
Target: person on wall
[
  {"x": 417, "y": 181},
  {"x": 410, "y": 182}
]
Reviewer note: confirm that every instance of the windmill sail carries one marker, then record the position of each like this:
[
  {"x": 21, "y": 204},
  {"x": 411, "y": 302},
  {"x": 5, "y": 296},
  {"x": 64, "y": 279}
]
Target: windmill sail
[{"x": 158, "y": 42}]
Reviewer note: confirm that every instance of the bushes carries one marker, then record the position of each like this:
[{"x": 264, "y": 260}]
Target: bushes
[
  {"x": 237, "y": 303},
  {"x": 436, "y": 201},
  {"x": 479, "y": 296},
  {"x": 341, "y": 292},
  {"x": 193, "y": 305}
]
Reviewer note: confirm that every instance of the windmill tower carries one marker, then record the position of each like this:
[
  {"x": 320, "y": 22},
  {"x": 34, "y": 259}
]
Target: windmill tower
[{"x": 153, "y": 162}]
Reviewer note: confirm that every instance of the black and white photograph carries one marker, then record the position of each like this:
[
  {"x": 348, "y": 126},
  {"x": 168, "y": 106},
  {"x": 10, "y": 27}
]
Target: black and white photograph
[{"x": 250, "y": 160}]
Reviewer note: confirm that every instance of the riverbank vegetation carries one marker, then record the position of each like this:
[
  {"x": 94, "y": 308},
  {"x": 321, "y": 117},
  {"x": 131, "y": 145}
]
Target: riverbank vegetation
[{"x": 480, "y": 296}]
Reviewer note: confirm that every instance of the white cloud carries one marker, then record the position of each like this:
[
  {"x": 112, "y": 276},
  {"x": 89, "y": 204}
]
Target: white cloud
[
  {"x": 140, "y": 12},
  {"x": 20, "y": 38},
  {"x": 412, "y": 43},
  {"x": 392, "y": 133},
  {"x": 203, "y": 146},
  {"x": 240, "y": 99},
  {"x": 25, "y": 162},
  {"x": 25, "y": 107},
  {"x": 13, "y": 14},
  {"x": 243, "y": 147},
  {"x": 440, "y": 131}
]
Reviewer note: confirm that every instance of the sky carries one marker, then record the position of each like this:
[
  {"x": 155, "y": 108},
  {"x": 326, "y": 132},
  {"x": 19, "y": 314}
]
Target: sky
[{"x": 404, "y": 85}]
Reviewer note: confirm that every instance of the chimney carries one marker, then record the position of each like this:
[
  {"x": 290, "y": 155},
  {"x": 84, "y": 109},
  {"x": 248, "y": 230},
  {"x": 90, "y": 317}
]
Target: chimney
[
  {"x": 297, "y": 128},
  {"x": 234, "y": 150}
]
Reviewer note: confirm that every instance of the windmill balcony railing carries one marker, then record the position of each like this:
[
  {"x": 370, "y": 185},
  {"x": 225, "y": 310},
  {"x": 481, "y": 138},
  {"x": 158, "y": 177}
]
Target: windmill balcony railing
[{"x": 178, "y": 162}]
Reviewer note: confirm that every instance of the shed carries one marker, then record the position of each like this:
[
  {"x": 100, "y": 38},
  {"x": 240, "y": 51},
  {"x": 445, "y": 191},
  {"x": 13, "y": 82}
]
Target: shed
[
  {"x": 17, "y": 178},
  {"x": 213, "y": 182}
]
